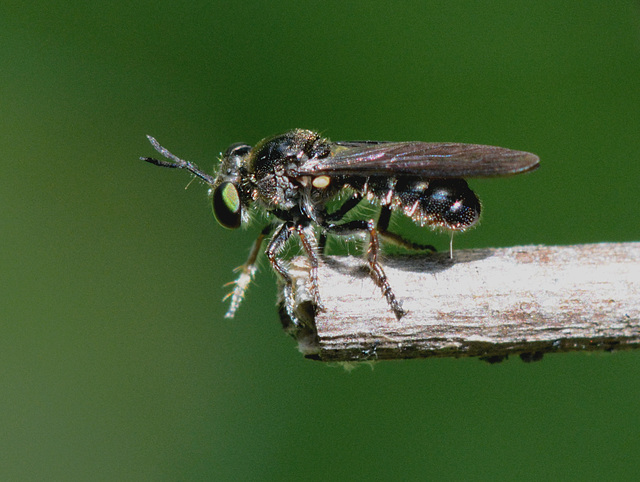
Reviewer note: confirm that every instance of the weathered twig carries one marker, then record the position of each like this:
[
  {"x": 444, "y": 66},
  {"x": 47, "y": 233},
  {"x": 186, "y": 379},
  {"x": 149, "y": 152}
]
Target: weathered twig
[{"x": 525, "y": 300}]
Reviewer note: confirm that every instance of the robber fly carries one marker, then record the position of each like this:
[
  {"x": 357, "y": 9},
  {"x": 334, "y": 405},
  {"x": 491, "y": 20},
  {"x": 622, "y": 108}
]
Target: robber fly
[{"x": 293, "y": 176}]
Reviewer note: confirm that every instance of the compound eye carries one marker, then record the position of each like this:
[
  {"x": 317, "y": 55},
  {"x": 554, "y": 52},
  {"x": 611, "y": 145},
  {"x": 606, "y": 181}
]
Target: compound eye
[
  {"x": 238, "y": 149},
  {"x": 226, "y": 206}
]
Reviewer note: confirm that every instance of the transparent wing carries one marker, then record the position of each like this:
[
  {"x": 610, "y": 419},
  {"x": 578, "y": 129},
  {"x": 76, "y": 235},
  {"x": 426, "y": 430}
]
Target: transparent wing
[{"x": 424, "y": 159}]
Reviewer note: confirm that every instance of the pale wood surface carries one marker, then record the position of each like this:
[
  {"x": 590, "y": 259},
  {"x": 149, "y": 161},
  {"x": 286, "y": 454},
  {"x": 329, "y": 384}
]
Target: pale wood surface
[{"x": 525, "y": 300}]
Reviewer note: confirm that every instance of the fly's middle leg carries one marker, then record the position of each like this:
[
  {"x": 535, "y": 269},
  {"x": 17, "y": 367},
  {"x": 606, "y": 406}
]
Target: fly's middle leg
[
  {"x": 337, "y": 215},
  {"x": 383, "y": 226},
  {"x": 310, "y": 248}
]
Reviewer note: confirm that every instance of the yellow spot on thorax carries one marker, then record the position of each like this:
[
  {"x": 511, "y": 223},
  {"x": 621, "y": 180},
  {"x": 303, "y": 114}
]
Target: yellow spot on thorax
[{"x": 321, "y": 182}]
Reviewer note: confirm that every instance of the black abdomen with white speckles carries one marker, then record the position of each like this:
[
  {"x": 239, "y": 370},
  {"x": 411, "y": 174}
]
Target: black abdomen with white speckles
[{"x": 447, "y": 203}]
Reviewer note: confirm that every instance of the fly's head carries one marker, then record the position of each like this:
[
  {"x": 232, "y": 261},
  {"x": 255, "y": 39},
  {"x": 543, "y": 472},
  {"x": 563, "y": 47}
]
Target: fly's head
[{"x": 231, "y": 192}]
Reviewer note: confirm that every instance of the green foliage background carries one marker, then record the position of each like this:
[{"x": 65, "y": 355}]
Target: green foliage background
[{"x": 115, "y": 361}]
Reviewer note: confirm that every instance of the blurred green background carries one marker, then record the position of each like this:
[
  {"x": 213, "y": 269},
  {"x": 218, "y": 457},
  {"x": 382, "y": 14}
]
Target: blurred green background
[{"x": 115, "y": 360}]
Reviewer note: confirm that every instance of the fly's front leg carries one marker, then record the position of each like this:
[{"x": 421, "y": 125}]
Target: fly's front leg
[
  {"x": 377, "y": 273},
  {"x": 276, "y": 245},
  {"x": 247, "y": 271}
]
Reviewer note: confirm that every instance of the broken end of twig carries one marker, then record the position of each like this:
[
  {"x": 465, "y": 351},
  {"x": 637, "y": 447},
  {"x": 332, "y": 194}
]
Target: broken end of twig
[{"x": 490, "y": 303}]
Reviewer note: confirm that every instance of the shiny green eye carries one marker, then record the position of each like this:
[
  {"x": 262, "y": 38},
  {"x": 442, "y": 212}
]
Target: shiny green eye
[{"x": 226, "y": 205}]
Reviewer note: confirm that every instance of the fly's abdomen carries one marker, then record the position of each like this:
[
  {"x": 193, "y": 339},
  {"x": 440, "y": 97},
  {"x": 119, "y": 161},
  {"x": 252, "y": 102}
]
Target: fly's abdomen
[{"x": 446, "y": 203}]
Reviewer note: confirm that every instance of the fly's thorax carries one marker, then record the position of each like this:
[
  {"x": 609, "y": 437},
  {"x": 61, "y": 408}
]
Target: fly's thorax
[
  {"x": 273, "y": 166},
  {"x": 287, "y": 151}
]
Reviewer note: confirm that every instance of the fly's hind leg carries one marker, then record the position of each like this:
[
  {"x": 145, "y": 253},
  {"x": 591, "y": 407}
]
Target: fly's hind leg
[
  {"x": 383, "y": 226},
  {"x": 247, "y": 271},
  {"x": 377, "y": 273}
]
